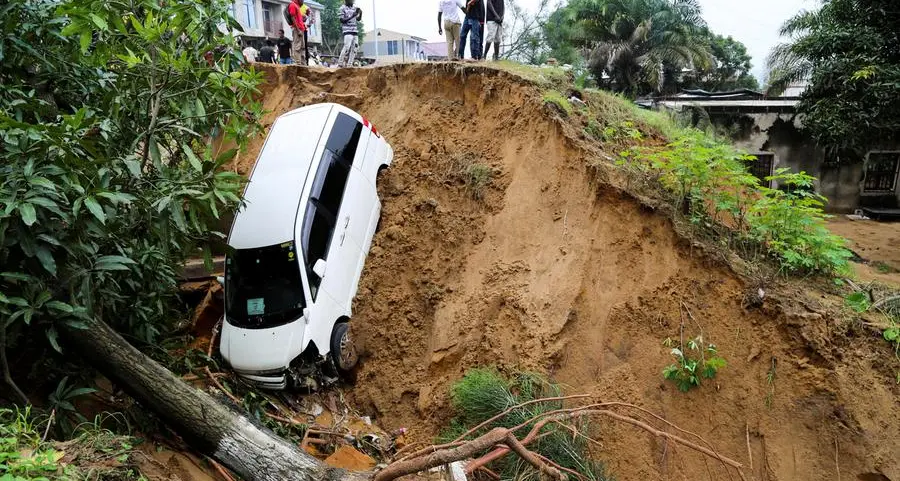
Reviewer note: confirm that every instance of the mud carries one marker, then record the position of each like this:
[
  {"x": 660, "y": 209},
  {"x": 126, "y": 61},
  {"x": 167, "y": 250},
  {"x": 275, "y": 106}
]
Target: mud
[{"x": 554, "y": 272}]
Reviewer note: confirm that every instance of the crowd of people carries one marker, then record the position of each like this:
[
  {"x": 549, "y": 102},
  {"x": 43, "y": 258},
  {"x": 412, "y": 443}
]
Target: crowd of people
[
  {"x": 482, "y": 25},
  {"x": 298, "y": 16}
]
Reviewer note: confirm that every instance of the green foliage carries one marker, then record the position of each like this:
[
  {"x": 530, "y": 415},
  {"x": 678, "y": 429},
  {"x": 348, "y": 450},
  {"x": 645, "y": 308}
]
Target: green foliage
[
  {"x": 558, "y": 100},
  {"x": 115, "y": 120},
  {"x": 484, "y": 393},
  {"x": 95, "y": 453},
  {"x": 699, "y": 361},
  {"x": 858, "y": 301},
  {"x": 624, "y": 130},
  {"x": 729, "y": 70},
  {"x": 22, "y": 455},
  {"x": 711, "y": 187},
  {"x": 847, "y": 50},
  {"x": 634, "y": 42},
  {"x": 882, "y": 300}
]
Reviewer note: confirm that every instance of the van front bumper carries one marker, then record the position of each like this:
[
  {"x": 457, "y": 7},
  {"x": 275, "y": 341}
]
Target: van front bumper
[{"x": 275, "y": 381}]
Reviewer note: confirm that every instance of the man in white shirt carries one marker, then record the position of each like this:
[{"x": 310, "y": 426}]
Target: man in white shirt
[
  {"x": 448, "y": 10},
  {"x": 250, "y": 53}
]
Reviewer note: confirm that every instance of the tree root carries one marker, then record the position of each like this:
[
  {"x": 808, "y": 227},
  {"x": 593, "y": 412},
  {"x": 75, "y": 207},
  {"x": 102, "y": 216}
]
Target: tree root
[{"x": 502, "y": 441}]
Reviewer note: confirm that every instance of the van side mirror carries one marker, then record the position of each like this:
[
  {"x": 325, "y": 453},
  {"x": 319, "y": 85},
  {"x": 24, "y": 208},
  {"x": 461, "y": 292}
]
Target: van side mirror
[{"x": 319, "y": 268}]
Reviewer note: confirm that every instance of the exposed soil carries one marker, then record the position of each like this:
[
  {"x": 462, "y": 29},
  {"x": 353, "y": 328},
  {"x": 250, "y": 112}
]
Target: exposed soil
[
  {"x": 554, "y": 272},
  {"x": 877, "y": 243}
]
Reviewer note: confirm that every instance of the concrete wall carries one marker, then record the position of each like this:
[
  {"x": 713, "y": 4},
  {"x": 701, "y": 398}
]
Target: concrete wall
[{"x": 780, "y": 134}]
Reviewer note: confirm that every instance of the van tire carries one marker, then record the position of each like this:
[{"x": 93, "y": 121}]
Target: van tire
[{"x": 343, "y": 352}]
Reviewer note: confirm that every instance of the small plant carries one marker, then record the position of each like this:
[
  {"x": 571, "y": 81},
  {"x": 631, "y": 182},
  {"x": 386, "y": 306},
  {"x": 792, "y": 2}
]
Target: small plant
[
  {"x": 624, "y": 130},
  {"x": 698, "y": 361},
  {"x": 887, "y": 305},
  {"x": 858, "y": 301},
  {"x": 61, "y": 401},
  {"x": 593, "y": 129},
  {"x": 562, "y": 104},
  {"x": 884, "y": 268},
  {"x": 478, "y": 177},
  {"x": 770, "y": 383}
]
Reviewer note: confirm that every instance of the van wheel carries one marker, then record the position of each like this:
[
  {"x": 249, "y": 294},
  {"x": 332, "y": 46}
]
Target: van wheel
[{"x": 343, "y": 352}]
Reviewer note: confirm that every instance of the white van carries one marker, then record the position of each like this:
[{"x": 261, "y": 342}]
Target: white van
[{"x": 297, "y": 248}]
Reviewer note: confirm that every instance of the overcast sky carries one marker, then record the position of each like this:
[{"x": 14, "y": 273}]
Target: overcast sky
[{"x": 753, "y": 22}]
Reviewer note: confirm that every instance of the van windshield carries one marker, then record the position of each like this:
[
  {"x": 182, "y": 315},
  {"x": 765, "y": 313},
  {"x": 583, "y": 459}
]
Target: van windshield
[{"x": 263, "y": 287}]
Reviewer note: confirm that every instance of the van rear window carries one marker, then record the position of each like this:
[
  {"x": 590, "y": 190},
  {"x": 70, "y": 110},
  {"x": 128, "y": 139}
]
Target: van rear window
[{"x": 344, "y": 137}]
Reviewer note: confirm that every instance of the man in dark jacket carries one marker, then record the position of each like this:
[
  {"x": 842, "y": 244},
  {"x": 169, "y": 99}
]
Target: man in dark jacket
[
  {"x": 473, "y": 23},
  {"x": 494, "y": 27}
]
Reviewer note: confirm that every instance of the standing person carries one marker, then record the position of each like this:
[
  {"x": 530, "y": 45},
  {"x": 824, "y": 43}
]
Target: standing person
[
  {"x": 307, "y": 22},
  {"x": 249, "y": 53},
  {"x": 284, "y": 48},
  {"x": 349, "y": 15},
  {"x": 298, "y": 25},
  {"x": 449, "y": 11},
  {"x": 473, "y": 23},
  {"x": 267, "y": 53},
  {"x": 495, "y": 10}
]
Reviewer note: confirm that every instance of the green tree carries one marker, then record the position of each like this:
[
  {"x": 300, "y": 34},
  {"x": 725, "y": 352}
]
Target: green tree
[
  {"x": 634, "y": 42},
  {"x": 115, "y": 119},
  {"x": 730, "y": 69},
  {"x": 848, "y": 52},
  {"x": 559, "y": 32}
]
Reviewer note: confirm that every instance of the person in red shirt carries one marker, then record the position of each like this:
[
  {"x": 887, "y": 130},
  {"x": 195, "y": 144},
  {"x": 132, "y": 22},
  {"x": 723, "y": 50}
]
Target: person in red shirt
[{"x": 298, "y": 25}]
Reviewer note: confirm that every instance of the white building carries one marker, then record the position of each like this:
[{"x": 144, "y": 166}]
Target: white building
[
  {"x": 264, "y": 18},
  {"x": 393, "y": 47}
]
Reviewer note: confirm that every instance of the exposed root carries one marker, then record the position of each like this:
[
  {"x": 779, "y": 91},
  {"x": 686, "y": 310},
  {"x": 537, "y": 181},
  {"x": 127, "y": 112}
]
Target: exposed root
[{"x": 502, "y": 441}]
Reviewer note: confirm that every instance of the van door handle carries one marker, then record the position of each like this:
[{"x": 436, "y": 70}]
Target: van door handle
[
  {"x": 346, "y": 222},
  {"x": 344, "y": 234}
]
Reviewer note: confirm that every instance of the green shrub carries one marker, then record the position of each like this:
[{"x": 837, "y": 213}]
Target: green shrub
[
  {"x": 709, "y": 184},
  {"x": 483, "y": 393}
]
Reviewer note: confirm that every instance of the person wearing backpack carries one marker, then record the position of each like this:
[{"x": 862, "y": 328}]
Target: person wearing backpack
[{"x": 297, "y": 20}]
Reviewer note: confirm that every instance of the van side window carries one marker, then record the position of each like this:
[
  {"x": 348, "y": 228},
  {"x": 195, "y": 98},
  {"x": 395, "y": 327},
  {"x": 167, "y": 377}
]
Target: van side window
[
  {"x": 344, "y": 137},
  {"x": 320, "y": 217}
]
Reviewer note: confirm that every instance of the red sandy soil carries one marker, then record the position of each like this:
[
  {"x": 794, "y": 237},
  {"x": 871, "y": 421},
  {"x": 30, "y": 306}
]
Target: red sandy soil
[{"x": 555, "y": 272}]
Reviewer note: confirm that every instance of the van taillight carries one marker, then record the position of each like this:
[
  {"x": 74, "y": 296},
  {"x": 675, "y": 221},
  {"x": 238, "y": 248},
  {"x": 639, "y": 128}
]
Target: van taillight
[{"x": 371, "y": 126}]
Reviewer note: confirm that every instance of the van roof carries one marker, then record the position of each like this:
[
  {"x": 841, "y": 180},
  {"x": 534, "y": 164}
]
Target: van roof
[{"x": 273, "y": 194}]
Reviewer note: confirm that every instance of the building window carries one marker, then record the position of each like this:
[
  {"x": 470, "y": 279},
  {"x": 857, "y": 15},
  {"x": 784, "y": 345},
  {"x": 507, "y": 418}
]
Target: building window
[
  {"x": 762, "y": 167},
  {"x": 881, "y": 172},
  {"x": 393, "y": 47},
  {"x": 270, "y": 27},
  {"x": 250, "y": 10}
]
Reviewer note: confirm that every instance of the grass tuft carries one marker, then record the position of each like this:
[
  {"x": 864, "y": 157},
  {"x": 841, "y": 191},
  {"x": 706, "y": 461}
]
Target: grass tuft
[
  {"x": 483, "y": 393},
  {"x": 553, "y": 97},
  {"x": 475, "y": 175}
]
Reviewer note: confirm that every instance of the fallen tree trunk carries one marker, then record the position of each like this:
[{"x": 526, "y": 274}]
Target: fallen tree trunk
[{"x": 253, "y": 452}]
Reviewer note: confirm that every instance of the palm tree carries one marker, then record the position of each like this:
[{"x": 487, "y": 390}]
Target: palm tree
[
  {"x": 634, "y": 42},
  {"x": 790, "y": 62}
]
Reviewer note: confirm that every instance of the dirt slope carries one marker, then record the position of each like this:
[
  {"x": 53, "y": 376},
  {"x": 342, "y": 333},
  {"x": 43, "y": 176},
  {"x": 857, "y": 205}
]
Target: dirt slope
[{"x": 555, "y": 273}]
